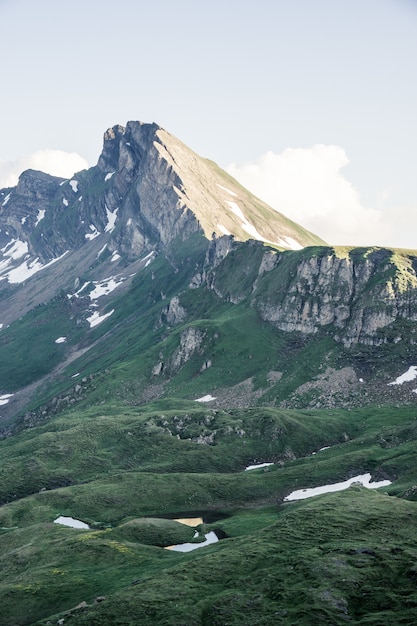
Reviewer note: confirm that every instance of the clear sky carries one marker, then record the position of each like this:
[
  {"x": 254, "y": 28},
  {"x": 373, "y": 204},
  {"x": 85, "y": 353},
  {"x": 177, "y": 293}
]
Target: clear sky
[{"x": 310, "y": 103}]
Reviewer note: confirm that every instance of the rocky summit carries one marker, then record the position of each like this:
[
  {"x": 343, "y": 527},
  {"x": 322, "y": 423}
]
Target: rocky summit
[{"x": 173, "y": 348}]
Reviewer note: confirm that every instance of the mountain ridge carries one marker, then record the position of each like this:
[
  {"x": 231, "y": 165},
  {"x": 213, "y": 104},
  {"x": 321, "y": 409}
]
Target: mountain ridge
[
  {"x": 159, "y": 363},
  {"x": 141, "y": 222}
]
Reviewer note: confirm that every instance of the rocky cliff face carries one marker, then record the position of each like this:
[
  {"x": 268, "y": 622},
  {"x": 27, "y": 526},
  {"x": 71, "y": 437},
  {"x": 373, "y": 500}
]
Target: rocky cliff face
[{"x": 354, "y": 296}]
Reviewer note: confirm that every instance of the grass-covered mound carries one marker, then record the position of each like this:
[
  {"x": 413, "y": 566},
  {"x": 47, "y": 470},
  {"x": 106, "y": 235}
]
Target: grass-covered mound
[
  {"x": 154, "y": 531},
  {"x": 346, "y": 557}
]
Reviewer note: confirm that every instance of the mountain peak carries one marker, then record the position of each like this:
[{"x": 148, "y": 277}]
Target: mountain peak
[
  {"x": 118, "y": 137},
  {"x": 147, "y": 190}
]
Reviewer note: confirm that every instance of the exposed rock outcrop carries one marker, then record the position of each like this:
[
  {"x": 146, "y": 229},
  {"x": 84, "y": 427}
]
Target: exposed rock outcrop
[
  {"x": 190, "y": 342},
  {"x": 354, "y": 296}
]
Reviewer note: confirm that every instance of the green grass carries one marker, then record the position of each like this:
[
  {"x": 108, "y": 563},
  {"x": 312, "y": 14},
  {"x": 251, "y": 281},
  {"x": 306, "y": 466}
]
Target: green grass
[
  {"x": 312, "y": 564},
  {"x": 28, "y": 348},
  {"x": 127, "y": 467},
  {"x": 132, "y": 468}
]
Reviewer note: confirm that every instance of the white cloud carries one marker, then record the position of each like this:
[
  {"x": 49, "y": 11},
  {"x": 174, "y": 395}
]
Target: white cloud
[
  {"x": 306, "y": 185},
  {"x": 55, "y": 162}
]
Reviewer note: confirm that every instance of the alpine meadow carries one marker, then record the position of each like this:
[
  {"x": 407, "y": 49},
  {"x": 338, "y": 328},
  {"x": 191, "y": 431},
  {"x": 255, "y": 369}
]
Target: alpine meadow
[{"x": 183, "y": 367}]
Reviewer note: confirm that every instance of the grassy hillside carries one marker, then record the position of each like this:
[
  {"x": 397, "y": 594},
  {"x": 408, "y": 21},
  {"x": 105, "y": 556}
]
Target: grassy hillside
[
  {"x": 310, "y": 566},
  {"x": 128, "y": 472},
  {"x": 116, "y": 439}
]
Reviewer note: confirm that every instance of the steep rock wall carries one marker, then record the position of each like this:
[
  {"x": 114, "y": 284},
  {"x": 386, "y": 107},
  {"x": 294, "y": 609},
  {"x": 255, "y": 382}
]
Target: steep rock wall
[{"x": 353, "y": 296}]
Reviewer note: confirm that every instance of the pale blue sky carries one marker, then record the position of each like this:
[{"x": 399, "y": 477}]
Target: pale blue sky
[{"x": 233, "y": 79}]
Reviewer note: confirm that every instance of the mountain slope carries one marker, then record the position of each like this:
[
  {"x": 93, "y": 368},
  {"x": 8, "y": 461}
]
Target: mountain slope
[
  {"x": 128, "y": 260},
  {"x": 148, "y": 357}
]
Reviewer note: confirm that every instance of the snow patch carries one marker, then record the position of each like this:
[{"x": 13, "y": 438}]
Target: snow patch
[
  {"x": 257, "y": 465},
  {"x": 410, "y": 374},
  {"x": 4, "y": 264},
  {"x": 104, "y": 287},
  {"x": 100, "y": 252},
  {"x": 111, "y": 220},
  {"x": 115, "y": 256},
  {"x": 108, "y": 176},
  {"x": 71, "y": 522},
  {"x": 40, "y": 216},
  {"x": 251, "y": 230},
  {"x": 149, "y": 258},
  {"x": 364, "y": 479},
  {"x": 64, "y": 201},
  {"x": 27, "y": 269},
  {"x": 95, "y": 319},
  {"x": 4, "y": 399},
  {"x": 61, "y": 340},
  {"x": 93, "y": 234},
  {"x": 15, "y": 249},
  {"x": 74, "y": 185},
  {"x": 232, "y": 193},
  {"x": 6, "y": 199},
  {"x": 207, "y": 398},
  {"x": 293, "y": 244},
  {"x": 23, "y": 220},
  {"x": 236, "y": 210},
  {"x": 223, "y": 229},
  {"x": 83, "y": 286}
]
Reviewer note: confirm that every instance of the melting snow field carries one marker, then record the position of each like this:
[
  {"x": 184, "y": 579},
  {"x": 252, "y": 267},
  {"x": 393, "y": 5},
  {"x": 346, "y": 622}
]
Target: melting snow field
[
  {"x": 95, "y": 319},
  {"x": 70, "y": 521},
  {"x": 95, "y": 233},
  {"x": 4, "y": 399},
  {"x": 285, "y": 242},
  {"x": 104, "y": 287},
  {"x": 27, "y": 269},
  {"x": 223, "y": 229},
  {"x": 149, "y": 258},
  {"x": 111, "y": 220},
  {"x": 290, "y": 243},
  {"x": 410, "y": 374},
  {"x": 15, "y": 249},
  {"x": 364, "y": 479},
  {"x": 61, "y": 340},
  {"x": 257, "y": 466},
  {"x": 207, "y": 398}
]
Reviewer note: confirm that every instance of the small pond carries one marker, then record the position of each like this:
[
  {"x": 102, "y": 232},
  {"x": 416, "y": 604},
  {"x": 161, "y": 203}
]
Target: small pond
[{"x": 211, "y": 537}]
